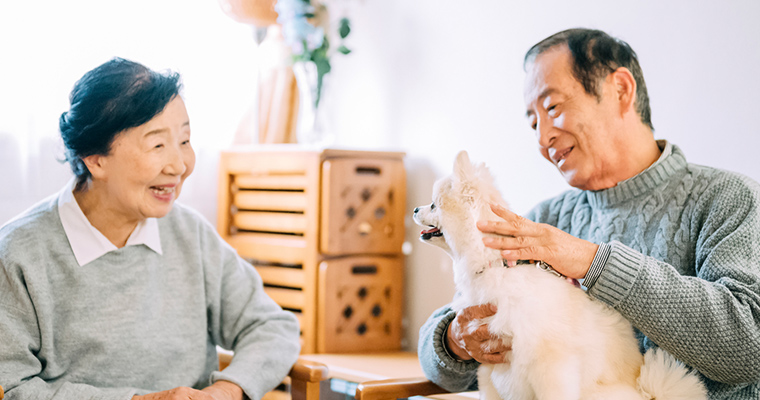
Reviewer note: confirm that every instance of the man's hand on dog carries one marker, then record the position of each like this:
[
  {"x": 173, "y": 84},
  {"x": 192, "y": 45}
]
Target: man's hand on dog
[
  {"x": 522, "y": 239},
  {"x": 468, "y": 336}
]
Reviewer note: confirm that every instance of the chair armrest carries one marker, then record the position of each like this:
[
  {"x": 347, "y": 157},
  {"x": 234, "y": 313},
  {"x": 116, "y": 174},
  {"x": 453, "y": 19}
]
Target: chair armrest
[
  {"x": 397, "y": 388},
  {"x": 309, "y": 371},
  {"x": 305, "y": 378}
]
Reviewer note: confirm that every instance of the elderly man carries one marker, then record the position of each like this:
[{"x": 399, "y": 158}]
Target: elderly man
[{"x": 674, "y": 247}]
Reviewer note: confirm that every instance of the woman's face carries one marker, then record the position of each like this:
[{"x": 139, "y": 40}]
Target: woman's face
[{"x": 143, "y": 173}]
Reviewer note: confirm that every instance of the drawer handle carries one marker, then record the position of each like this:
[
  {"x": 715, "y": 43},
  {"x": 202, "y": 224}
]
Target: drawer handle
[
  {"x": 368, "y": 170},
  {"x": 364, "y": 270}
]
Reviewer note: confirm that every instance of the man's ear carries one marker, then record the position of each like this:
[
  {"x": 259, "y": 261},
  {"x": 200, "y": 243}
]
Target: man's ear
[
  {"x": 95, "y": 164},
  {"x": 625, "y": 89}
]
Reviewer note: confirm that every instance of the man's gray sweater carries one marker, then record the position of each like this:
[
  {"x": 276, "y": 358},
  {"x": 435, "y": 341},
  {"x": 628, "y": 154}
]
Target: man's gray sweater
[{"x": 684, "y": 268}]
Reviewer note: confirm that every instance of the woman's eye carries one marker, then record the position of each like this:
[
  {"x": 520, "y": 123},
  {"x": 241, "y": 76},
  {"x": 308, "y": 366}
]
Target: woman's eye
[
  {"x": 158, "y": 146},
  {"x": 186, "y": 142}
]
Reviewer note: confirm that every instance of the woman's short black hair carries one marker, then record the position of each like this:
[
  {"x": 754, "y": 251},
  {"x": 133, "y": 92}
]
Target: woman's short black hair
[
  {"x": 595, "y": 55},
  {"x": 115, "y": 96}
]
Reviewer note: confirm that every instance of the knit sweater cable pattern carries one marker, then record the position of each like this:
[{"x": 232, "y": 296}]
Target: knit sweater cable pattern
[{"x": 684, "y": 268}]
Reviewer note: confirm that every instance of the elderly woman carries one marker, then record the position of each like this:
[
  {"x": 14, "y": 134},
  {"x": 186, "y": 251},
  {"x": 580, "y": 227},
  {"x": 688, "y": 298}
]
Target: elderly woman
[{"x": 109, "y": 289}]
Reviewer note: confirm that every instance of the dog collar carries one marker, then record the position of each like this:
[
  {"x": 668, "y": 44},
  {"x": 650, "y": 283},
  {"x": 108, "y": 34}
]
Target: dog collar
[
  {"x": 538, "y": 264},
  {"x": 542, "y": 266}
]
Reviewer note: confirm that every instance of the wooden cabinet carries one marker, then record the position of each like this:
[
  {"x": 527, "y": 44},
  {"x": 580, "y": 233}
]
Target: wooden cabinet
[{"x": 324, "y": 228}]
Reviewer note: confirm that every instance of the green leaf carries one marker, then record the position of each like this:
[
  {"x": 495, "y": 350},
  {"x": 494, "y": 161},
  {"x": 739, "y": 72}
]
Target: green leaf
[
  {"x": 323, "y": 68},
  {"x": 345, "y": 28},
  {"x": 344, "y": 50}
]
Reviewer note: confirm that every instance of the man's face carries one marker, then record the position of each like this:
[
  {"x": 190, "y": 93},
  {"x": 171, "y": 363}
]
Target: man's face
[{"x": 576, "y": 132}]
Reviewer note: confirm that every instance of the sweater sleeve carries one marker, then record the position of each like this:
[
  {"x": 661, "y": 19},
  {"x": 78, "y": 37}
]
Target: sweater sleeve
[
  {"x": 711, "y": 321},
  {"x": 19, "y": 366},
  {"x": 242, "y": 318},
  {"x": 445, "y": 371}
]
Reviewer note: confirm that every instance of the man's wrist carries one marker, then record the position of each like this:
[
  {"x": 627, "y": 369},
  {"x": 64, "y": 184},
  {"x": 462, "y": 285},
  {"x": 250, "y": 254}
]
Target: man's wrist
[
  {"x": 447, "y": 348},
  {"x": 597, "y": 265}
]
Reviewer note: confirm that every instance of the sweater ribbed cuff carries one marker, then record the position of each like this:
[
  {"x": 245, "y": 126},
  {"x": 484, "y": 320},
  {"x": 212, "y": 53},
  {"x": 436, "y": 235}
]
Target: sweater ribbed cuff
[
  {"x": 446, "y": 359},
  {"x": 597, "y": 265},
  {"x": 618, "y": 274}
]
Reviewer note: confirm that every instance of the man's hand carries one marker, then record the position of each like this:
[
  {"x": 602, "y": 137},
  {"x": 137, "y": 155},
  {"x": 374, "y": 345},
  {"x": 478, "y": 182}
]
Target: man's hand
[
  {"x": 522, "y": 239},
  {"x": 221, "y": 390},
  {"x": 468, "y": 336}
]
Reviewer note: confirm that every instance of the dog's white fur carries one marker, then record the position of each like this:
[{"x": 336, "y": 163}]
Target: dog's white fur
[{"x": 564, "y": 344}]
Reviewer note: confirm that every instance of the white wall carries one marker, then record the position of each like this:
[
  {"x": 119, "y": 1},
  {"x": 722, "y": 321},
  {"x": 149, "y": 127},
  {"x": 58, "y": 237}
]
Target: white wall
[
  {"x": 432, "y": 77},
  {"x": 426, "y": 77}
]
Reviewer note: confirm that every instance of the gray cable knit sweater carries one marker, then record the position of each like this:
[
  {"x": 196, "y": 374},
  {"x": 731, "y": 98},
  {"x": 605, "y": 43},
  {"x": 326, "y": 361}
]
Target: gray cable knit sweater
[
  {"x": 133, "y": 321},
  {"x": 684, "y": 269}
]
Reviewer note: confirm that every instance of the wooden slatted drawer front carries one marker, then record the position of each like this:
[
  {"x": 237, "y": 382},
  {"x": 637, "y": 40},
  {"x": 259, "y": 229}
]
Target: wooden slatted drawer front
[
  {"x": 271, "y": 182},
  {"x": 269, "y": 200},
  {"x": 270, "y": 247},
  {"x": 269, "y": 222},
  {"x": 286, "y": 298},
  {"x": 281, "y": 276}
]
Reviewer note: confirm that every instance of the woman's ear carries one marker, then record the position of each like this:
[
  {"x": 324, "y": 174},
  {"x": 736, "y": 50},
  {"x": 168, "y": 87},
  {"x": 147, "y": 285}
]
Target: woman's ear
[{"x": 95, "y": 164}]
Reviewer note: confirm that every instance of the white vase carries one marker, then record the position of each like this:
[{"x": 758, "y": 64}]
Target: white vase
[{"x": 312, "y": 127}]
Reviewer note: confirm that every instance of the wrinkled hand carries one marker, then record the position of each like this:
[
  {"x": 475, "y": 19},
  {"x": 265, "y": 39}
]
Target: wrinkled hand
[
  {"x": 468, "y": 336},
  {"x": 519, "y": 238},
  {"x": 221, "y": 390}
]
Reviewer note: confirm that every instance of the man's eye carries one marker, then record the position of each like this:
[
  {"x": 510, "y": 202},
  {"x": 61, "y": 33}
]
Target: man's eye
[{"x": 552, "y": 111}]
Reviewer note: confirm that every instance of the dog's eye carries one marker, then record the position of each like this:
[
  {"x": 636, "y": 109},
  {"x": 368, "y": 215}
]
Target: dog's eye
[{"x": 432, "y": 206}]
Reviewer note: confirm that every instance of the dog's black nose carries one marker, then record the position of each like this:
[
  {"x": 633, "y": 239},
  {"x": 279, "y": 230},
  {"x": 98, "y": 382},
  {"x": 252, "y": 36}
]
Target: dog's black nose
[{"x": 416, "y": 209}]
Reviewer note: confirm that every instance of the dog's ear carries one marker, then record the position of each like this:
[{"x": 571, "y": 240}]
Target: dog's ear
[
  {"x": 464, "y": 176},
  {"x": 463, "y": 168}
]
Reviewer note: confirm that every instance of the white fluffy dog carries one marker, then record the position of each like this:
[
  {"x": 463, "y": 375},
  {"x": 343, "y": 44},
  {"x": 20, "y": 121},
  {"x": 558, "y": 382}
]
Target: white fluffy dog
[{"x": 564, "y": 344}]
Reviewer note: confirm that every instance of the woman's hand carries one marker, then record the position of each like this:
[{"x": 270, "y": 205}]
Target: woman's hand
[
  {"x": 519, "y": 238},
  {"x": 221, "y": 390},
  {"x": 468, "y": 336}
]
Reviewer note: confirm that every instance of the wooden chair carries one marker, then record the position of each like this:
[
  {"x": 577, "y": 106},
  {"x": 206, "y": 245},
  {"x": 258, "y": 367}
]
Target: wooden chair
[
  {"x": 388, "y": 389},
  {"x": 304, "y": 377},
  {"x": 384, "y": 375}
]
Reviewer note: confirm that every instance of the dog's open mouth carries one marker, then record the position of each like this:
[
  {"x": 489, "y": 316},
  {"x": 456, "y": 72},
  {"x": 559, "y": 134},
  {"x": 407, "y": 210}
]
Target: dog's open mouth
[{"x": 429, "y": 233}]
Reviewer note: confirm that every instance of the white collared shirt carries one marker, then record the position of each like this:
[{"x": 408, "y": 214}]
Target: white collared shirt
[{"x": 87, "y": 242}]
